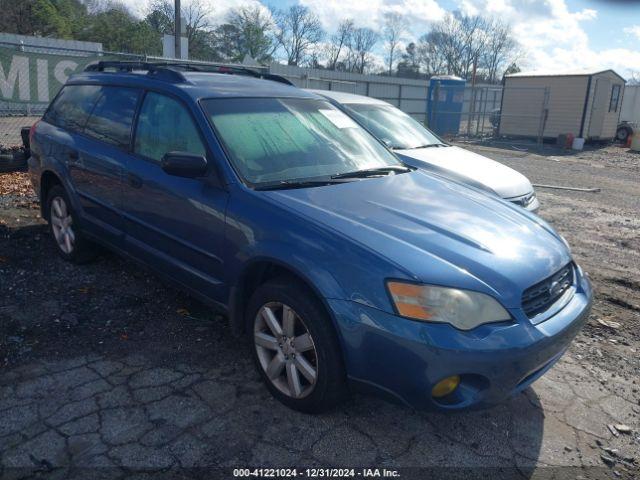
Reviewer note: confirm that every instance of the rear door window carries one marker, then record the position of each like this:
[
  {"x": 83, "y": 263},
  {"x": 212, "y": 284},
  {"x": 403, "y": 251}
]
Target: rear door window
[
  {"x": 72, "y": 107},
  {"x": 112, "y": 116},
  {"x": 164, "y": 125}
]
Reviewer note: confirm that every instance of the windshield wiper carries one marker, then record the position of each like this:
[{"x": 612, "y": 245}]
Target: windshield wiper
[
  {"x": 372, "y": 172},
  {"x": 429, "y": 145},
  {"x": 284, "y": 184}
]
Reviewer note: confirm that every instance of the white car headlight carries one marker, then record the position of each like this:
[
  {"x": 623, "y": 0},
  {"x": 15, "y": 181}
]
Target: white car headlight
[{"x": 462, "y": 309}]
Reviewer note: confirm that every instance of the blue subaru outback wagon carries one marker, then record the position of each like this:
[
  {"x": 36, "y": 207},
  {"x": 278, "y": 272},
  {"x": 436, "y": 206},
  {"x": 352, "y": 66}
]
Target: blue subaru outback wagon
[{"x": 341, "y": 265}]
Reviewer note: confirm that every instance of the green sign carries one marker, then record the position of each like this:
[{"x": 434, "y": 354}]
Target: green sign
[{"x": 27, "y": 77}]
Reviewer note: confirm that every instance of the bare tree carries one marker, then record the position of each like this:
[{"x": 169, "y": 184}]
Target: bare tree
[
  {"x": 446, "y": 39},
  {"x": 298, "y": 30},
  {"x": 360, "y": 46},
  {"x": 473, "y": 30},
  {"x": 431, "y": 59},
  {"x": 252, "y": 33},
  {"x": 499, "y": 48},
  {"x": 339, "y": 42},
  {"x": 634, "y": 78},
  {"x": 393, "y": 31},
  {"x": 459, "y": 43}
]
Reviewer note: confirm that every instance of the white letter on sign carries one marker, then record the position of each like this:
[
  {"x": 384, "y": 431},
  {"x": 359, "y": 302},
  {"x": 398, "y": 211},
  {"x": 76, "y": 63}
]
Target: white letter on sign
[
  {"x": 18, "y": 72},
  {"x": 43, "y": 80},
  {"x": 60, "y": 71}
]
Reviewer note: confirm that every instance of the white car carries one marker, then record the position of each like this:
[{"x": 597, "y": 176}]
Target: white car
[{"x": 419, "y": 147}]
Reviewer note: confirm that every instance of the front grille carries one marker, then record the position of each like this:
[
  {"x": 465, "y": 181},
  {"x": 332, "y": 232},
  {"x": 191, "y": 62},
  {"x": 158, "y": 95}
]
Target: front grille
[
  {"x": 541, "y": 296},
  {"x": 524, "y": 201}
]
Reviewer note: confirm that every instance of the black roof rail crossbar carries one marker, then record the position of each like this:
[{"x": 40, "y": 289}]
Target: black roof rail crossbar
[
  {"x": 235, "y": 69},
  {"x": 175, "y": 67},
  {"x": 130, "y": 66}
]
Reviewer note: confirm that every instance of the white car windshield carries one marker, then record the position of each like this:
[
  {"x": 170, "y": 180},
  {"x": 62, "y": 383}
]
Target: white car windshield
[
  {"x": 272, "y": 140},
  {"x": 394, "y": 127}
]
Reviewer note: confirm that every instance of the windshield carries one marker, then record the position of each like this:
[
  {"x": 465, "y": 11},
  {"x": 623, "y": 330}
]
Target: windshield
[
  {"x": 394, "y": 127},
  {"x": 291, "y": 139}
]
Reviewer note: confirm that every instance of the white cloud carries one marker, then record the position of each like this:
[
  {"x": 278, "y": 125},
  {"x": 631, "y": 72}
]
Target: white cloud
[
  {"x": 634, "y": 31},
  {"x": 370, "y": 13},
  {"x": 553, "y": 36}
]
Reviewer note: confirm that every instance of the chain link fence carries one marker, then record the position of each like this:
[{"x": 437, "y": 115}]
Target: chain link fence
[
  {"x": 488, "y": 111},
  {"x": 31, "y": 75}
]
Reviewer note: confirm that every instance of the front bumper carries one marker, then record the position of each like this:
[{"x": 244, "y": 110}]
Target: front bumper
[{"x": 404, "y": 359}]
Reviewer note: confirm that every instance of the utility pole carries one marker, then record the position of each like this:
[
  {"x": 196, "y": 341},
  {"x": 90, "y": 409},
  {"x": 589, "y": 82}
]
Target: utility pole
[{"x": 178, "y": 30}]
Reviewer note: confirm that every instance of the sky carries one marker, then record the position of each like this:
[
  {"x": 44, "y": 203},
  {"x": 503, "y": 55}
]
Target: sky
[{"x": 556, "y": 35}]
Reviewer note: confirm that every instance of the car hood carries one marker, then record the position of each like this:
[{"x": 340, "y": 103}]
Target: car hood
[
  {"x": 504, "y": 181},
  {"x": 436, "y": 230}
]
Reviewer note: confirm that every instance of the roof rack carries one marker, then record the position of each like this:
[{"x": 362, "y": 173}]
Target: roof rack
[{"x": 173, "y": 70}]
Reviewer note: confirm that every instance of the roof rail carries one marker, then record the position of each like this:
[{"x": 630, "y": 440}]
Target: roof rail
[{"x": 174, "y": 69}]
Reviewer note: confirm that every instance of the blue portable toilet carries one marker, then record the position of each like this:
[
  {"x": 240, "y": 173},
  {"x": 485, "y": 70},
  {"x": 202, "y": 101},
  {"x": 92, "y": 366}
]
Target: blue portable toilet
[{"x": 444, "y": 104}]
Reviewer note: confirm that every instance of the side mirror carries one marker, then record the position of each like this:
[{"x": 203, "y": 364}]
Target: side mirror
[{"x": 184, "y": 164}]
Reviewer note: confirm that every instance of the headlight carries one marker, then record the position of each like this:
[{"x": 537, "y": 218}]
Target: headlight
[{"x": 463, "y": 309}]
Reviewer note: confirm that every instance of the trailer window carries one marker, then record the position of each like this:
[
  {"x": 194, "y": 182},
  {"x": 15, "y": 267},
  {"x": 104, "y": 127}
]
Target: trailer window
[{"x": 615, "y": 98}]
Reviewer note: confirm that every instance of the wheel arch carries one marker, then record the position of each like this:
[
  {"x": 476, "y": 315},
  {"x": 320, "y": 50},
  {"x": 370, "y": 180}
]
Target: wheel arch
[
  {"x": 255, "y": 273},
  {"x": 47, "y": 180}
]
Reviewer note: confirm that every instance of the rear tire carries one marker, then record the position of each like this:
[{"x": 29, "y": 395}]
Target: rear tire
[
  {"x": 63, "y": 225},
  {"x": 299, "y": 355}
]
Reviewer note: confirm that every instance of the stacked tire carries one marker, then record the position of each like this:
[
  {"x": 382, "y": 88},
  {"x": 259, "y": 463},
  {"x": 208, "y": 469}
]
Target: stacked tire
[{"x": 15, "y": 159}]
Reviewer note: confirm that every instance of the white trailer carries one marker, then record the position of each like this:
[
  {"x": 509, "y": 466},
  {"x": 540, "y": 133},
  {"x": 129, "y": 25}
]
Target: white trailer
[{"x": 629, "y": 113}]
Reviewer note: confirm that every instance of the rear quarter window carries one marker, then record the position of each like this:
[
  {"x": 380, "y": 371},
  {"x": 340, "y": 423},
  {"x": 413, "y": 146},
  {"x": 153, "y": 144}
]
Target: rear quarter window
[
  {"x": 72, "y": 107},
  {"x": 112, "y": 116}
]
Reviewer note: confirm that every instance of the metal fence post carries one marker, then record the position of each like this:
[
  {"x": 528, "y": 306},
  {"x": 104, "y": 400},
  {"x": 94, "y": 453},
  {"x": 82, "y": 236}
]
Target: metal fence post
[
  {"x": 472, "y": 109},
  {"x": 434, "y": 105},
  {"x": 543, "y": 116}
]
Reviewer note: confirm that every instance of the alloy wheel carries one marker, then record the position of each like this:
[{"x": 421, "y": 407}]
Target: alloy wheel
[
  {"x": 285, "y": 350},
  {"x": 61, "y": 224}
]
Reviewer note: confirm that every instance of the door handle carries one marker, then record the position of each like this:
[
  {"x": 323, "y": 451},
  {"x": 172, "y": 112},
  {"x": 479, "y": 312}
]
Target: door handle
[
  {"x": 134, "y": 180},
  {"x": 73, "y": 155}
]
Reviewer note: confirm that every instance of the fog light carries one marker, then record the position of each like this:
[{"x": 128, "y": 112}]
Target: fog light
[{"x": 445, "y": 386}]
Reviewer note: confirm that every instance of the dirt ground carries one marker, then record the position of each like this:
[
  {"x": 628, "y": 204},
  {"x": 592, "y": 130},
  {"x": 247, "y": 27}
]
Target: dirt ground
[{"x": 105, "y": 370}]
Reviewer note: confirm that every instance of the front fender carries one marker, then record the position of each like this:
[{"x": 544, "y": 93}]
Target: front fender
[{"x": 335, "y": 267}]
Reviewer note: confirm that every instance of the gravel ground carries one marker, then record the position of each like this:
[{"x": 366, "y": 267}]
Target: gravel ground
[{"x": 103, "y": 367}]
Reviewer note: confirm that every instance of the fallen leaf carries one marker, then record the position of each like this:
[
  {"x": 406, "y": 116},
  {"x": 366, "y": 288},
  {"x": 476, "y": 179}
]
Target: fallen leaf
[
  {"x": 182, "y": 311},
  {"x": 124, "y": 336},
  {"x": 83, "y": 289}
]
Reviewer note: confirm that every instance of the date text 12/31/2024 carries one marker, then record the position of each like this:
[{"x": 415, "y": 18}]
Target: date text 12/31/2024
[{"x": 315, "y": 472}]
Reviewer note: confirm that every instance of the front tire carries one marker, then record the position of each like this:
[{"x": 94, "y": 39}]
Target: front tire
[
  {"x": 295, "y": 346},
  {"x": 63, "y": 225}
]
